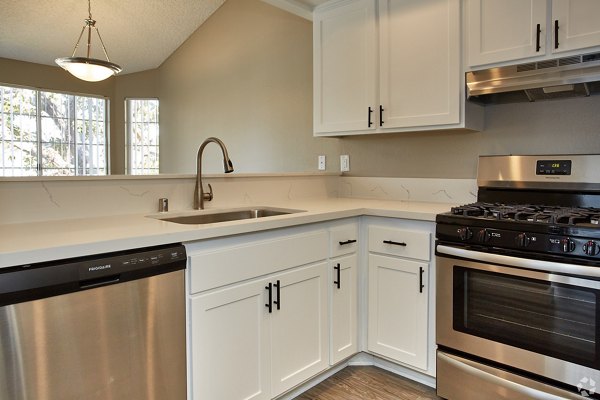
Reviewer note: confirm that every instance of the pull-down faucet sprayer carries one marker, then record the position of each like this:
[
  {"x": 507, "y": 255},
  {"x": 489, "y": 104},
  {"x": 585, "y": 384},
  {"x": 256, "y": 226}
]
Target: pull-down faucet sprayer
[{"x": 199, "y": 195}]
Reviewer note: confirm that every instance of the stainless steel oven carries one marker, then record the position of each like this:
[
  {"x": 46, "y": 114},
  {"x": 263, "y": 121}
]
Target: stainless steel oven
[
  {"x": 518, "y": 286},
  {"x": 498, "y": 309}
]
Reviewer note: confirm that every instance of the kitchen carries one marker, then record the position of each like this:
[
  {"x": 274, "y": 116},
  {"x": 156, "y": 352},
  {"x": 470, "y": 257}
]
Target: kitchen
[{"x": 433, "y": 166}]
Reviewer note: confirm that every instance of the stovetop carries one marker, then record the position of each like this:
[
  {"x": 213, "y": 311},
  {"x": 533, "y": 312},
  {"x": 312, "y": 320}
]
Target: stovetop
[
  {"x": 553, "y": 232},
  {"x": 550, "y": 215}
]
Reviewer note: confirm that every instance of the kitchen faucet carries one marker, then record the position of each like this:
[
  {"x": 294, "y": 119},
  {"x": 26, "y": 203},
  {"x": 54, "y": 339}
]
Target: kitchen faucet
[{"x": 199, "y": 195}]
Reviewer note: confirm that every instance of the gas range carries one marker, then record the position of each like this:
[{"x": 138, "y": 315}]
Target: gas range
[{"x": 518, "y": 282}]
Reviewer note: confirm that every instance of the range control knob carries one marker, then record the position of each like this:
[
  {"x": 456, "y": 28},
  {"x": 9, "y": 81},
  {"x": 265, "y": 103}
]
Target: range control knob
[
  {"x": 591, "y": 248},
  {"x": 484, "y": 235},
  {"x": 464, "y": 233},
  {"x": 567, "y": 245},
  {"x": 523, "y": 240}
]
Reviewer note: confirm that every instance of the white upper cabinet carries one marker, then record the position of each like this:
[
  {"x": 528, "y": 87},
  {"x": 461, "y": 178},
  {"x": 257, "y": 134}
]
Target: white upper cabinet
[
  {"x": 503, "y": 30},
  {"x": 345, "y": 47},
  {"x": 578, "y": 24},
  {"x": 499, "y": 31},
  {"x": 419, "y": 63},
  {"x": 387, "y": 66}
]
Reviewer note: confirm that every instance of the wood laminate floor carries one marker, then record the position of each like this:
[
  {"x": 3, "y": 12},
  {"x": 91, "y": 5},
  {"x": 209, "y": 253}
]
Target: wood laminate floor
[{"x": 368, "y": 383}]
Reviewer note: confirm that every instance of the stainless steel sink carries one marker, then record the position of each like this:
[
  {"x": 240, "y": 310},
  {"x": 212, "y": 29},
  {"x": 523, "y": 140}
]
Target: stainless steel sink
[{"x": 228, "y": 215}]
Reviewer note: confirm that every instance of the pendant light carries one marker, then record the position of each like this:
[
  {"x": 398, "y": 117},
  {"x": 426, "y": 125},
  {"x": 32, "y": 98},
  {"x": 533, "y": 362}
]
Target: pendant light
[{"x": 86, "y": 68}]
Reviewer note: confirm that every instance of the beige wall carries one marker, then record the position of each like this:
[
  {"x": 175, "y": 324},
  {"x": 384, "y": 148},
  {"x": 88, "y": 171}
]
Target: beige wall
[
  {"x": 550, "y": 127},
  {"x": 244, "y": 76}
]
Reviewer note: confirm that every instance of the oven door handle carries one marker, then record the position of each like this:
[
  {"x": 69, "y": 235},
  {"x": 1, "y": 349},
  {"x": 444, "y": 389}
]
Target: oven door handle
[
  {"x": 530, "y": 391},
  {"x": 539, "y": 265}
]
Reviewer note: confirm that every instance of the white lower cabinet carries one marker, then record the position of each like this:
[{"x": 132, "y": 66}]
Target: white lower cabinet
[
  {"x": 257, "y": 333},
  {"x": 398, "y": 309},
  {"x": 241, "y": 350},
  {"x": 299, "y": 328},
  {"x": 230, "y": 344},
  {"x": 400, "y": 292},
  {"x": 268, "y": 311},
  {"x": 344, "y": 308}
]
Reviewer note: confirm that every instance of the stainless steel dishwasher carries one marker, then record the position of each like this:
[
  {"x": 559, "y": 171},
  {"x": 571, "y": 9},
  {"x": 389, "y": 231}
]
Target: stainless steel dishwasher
[{"x": 104, "y": 327}]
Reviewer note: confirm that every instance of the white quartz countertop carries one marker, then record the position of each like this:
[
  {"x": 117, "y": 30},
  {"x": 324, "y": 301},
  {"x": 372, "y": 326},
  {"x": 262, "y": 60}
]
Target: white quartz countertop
[{"x": 54, "y": 240}]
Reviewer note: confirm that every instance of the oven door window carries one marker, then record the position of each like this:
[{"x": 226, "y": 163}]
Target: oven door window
[{"x": 554, "y": 319}]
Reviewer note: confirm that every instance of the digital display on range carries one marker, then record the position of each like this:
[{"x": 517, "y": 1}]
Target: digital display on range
[{"x": 553, "y": 167}]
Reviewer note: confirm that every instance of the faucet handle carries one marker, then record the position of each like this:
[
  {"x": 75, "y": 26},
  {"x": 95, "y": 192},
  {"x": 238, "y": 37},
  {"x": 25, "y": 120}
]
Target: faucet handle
[{"x": 209, "y": 196}]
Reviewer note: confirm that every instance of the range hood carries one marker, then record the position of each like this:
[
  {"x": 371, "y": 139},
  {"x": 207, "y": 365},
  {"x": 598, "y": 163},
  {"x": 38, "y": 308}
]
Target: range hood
[{"x": 573, "y": 76}]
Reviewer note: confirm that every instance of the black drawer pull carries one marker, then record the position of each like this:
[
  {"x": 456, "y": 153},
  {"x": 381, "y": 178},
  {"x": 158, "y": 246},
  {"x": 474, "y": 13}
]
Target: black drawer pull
[
  {"x": 381, "y": 110},
  {"x": 269, "y": 305},
  {"x": 538, "y": 33},
  {"x": 556, "y": 34},
  {"x": 347, "y": 242},
  {"x": 338, "y": 281},
  {"x": 421, "y": 285},
  {"x": 370, "y": 113},
  {"x": 394, "y": 243},
  {"x": 278, "y": 286}
]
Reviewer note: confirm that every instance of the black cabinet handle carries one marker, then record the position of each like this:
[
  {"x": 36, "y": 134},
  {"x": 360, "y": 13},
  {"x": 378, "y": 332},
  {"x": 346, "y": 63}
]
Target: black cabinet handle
[
  {"x": 347, "y": 242},
  {"x": 421, "y": 285},
  {"x": 278, "y": 286},
  {"x": 381, "y": 110},
  {"x": 394, "y": 243},
  {"x": 538, "y": 33},
  {"x": 556, "y": 34},
  {"x": 338, "y": 281},
  {"x": 370, "y": 113},
  {"x": 269, "y": 305}
]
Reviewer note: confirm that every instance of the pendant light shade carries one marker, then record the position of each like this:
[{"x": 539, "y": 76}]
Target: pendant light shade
[{"x": 86, "y": 68}]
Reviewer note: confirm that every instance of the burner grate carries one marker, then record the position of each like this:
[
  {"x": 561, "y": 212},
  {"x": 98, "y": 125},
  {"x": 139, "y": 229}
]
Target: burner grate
[{"x": 530, "y": 213}]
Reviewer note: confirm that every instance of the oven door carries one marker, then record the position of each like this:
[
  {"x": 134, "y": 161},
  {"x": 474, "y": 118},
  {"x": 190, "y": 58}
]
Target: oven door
[{"x": 518, "y": 314}]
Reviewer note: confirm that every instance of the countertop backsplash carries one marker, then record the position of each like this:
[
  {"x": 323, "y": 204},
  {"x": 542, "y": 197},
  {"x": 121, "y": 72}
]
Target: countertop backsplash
[{"x": 56, "y": 199}]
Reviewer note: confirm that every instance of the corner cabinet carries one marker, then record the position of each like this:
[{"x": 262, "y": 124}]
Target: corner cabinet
[
  {"x": 400, "y": 314},
  {"x": 387, "y": 66},
  {"x": 499, "y": 31}
]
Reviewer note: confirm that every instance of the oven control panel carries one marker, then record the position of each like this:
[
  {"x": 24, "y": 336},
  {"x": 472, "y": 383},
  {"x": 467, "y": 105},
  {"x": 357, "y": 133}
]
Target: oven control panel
[{"x": 518, "y": 240}]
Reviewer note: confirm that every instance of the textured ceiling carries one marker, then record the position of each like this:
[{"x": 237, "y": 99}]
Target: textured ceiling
[{"x": 138, "y": 34}]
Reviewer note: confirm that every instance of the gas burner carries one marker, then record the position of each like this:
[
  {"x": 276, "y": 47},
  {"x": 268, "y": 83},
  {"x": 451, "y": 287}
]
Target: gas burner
[{"x": 572, "y": 216}]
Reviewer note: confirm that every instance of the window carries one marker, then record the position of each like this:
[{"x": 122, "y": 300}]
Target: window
[
  {"x": 52, "y": 134},
  {"x": 142, "y": 136}
]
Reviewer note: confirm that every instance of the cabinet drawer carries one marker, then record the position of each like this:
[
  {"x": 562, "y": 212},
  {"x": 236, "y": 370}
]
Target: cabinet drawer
[
  {"x": 343, "y": 240},
  {"x": 211, "y": 269},
  {"x": 400, "y": 242}
]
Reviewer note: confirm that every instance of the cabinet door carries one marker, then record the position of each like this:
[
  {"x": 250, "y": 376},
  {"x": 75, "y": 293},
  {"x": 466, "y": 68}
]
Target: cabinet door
[
  {"x": 505, "y": 30},
  {"x": 344, "y": 308},
  {"x": 345, "y": 62},
  {"x": 578, "y": 24},
  {"x": 230, "y": 343},
  {"x": 299, "y": 346},
  {"x": 419, "y": 62},
  {"x": 398, "y": 309}
]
